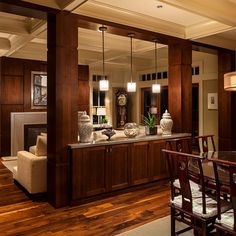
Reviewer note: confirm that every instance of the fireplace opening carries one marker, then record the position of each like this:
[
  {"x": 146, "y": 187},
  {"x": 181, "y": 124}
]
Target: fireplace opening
[{"x": 31, "y": 131}]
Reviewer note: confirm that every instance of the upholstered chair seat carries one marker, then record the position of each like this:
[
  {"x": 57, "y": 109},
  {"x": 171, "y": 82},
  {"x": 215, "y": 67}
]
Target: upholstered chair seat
[
  {"x": 227, "y": 219},
  {"x": 211, "y": 204}
]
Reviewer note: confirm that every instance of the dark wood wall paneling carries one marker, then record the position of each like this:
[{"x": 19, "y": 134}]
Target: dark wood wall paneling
[
  {"x": 15, "y": 93},
  {"x": 227, "y": 102}
]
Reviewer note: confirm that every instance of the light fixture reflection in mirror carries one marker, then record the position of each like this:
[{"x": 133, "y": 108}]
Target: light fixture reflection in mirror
[
  {"x": 103, "y": 85},
  {"x": 156, "y": 88},
  {"x": 131, "y": 87}
]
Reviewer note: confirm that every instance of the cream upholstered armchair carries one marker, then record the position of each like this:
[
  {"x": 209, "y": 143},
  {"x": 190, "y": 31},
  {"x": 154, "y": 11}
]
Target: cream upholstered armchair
[{"x": 31, "y": 169}]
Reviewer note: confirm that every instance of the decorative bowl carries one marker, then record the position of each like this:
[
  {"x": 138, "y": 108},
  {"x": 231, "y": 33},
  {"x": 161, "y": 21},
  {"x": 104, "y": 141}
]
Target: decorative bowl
[
  {"x": 109, "y": 133},
  {"x": 131, "y": 130}
]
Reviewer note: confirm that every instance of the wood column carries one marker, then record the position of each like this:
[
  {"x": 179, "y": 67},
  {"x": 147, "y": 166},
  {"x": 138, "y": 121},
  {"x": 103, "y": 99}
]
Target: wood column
[
  {"x": 180, "y": 86},
  {"x": 226, "y": 102},
  {"x": 62, "y": 117}
]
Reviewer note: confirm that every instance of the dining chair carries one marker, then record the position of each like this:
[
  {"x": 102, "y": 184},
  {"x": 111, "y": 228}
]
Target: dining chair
[
  {"x": 179, "y": 145},
  {"x": 204, "y": 141},
  {"x": 194, "y": 207},
  {"x": 225, "y": 174}
]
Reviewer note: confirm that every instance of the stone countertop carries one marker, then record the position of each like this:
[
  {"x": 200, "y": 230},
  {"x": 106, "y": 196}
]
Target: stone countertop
[{"x": 121, "y": 140}]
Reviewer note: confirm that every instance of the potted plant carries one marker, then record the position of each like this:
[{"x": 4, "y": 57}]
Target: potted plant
[{"x": 150, "y": 122}]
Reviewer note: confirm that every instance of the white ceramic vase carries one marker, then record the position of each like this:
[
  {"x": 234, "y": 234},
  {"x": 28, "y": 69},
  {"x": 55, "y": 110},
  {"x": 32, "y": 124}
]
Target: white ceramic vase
[
  {"x": 166, "y": 123},
  {"x": 85, "y": 129}
]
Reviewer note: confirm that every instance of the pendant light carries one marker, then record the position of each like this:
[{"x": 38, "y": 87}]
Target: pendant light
[
  {"x": 131, "y": 86},
  {"x": 230, "y": 80},
  {"x": 156, "y": 88},
  {"x": 103, "y": 83}
]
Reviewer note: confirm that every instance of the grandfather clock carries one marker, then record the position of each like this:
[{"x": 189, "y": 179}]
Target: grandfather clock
[{"x": 121, "y": 108}]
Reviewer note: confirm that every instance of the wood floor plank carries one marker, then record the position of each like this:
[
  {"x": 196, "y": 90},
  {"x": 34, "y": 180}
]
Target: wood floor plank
[{"x": 21, "y": 216}]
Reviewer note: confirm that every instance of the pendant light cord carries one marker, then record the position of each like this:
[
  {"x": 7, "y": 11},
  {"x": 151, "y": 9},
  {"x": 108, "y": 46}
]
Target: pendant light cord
[
  {"x": 131, "y": 58},
  {"x": 156, "y": 61},
  {"x": 103, "y": 55}
]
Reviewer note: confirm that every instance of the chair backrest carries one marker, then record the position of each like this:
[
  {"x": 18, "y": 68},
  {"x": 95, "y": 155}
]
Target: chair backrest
[
  {"x": 179, "y": 144},
  {"x": 203, "y": 143},
  {"x": 183, "y": 161},
  {"x": 225, "y": 174}
]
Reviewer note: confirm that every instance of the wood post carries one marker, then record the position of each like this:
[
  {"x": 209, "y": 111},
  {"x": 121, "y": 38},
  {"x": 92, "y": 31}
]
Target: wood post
[
  {"x": 226, "y": 103},
  {"x": 180, "y": 86},
  {"x": 62, "y": 117}
]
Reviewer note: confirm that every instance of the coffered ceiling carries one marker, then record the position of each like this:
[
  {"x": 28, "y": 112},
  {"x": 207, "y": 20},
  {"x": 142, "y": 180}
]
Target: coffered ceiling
[{"x": 211, "y": 22}]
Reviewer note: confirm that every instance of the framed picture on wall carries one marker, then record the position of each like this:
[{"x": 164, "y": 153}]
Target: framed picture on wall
[
  {"x": 38, "y": 90},
  {"x": 212, "y": 101}
]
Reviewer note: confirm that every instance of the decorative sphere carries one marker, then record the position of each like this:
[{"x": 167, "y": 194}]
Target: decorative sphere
[{"x": 131, "y": 130}]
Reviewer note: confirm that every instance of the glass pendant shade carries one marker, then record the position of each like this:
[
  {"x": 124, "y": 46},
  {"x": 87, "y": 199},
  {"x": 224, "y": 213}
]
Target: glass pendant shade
[
  {"x": 156, "y": 88},
  {"x": 131, "y": 87},
  {"x": 230, "y": 81},
  {"x": 103, "y": 85}
]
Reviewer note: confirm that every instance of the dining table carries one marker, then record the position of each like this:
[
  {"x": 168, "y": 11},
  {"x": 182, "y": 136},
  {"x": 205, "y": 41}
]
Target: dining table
[{"x": 226, "y": 157}]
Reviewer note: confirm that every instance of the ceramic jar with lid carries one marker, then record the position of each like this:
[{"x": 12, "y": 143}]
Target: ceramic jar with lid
[
  {"x": 166, "y": 123},
  {"x": 85, "y": 129}
]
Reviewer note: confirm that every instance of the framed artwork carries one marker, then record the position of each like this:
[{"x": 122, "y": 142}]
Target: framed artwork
[
  {"x": 38, "y": 90},
  {"x": 212, "y": 101}
]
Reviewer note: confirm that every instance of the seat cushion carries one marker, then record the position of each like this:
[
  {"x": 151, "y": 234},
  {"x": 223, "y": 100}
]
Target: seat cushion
[
  {"x": 193, "y": 185},
  {"x": 227, "y": 219},
  {"x": 41, "y": 146},
  {"x": 211, "y": 204}
]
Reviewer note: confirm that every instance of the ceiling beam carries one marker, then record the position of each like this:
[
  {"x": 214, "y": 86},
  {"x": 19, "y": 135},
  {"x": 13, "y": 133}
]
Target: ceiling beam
[
  {"x": 27, "y": 9},
  {"x": 20, "y": 41},
  {"x": 70, "y": 5},
  {"x": 221, "y": 10},
  {"x": 5, "y": 44},
  {"x": 13, "y": 26},
  {"x": 123, "y": 30}
]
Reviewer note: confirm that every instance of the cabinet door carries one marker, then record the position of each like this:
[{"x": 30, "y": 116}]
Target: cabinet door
[
  {"x": 88, "y": 172},
  {"x": 94, "y": 171},
  {"x": 118, "y": 166},
  {"x": 157, "y": 164},
  {"x": 139, "y": 163}
]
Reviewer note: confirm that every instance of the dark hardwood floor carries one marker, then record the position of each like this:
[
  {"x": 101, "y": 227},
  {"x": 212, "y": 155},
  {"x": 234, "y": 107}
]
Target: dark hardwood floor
[{"x": 21, "y": 216}]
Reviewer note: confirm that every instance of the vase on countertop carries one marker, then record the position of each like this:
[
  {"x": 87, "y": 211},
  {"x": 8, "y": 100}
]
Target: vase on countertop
[
  {"x": 85, "y": 129},
  {"x": 166, "y": 123}
]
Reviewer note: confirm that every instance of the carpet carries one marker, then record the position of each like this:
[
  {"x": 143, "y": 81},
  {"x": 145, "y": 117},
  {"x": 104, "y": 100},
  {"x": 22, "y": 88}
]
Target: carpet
[
  {"x": 9, "y": 158},
  {"x": 160, "y": 227},
  {"x": 10, "y": 164}
]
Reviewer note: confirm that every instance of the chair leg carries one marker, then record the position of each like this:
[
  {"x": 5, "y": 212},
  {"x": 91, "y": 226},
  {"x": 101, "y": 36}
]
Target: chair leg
[
  {"x": 172, "y": 222},
  {"x": 219, "y": 232},
  {"x": 204, "y": 229}
]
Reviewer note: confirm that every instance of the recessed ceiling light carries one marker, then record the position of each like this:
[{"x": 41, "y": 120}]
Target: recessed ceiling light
[{"x": 159, "y": 6}]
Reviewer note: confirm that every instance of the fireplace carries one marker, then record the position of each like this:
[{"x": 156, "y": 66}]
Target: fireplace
[
  {"x": 26, "y": 125},
  {"x": 31, "y": 132}
]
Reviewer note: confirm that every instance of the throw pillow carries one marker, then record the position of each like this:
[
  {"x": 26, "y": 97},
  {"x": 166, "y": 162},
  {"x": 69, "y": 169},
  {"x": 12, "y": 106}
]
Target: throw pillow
[{"x": 41, "y": 146}]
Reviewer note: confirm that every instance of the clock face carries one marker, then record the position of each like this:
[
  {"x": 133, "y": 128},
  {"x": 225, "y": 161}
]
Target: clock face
[{"x": 122, "y": 100}]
